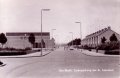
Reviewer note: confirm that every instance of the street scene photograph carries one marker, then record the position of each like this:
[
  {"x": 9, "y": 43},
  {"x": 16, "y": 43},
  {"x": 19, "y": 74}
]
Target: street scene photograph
[{"x": 59, "y": 39}]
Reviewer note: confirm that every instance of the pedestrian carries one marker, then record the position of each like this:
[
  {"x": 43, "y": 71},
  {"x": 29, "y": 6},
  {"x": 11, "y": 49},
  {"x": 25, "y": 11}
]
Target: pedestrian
[
  {"x": 97, "y": 50},
  {"x": 64, "y": 47}
]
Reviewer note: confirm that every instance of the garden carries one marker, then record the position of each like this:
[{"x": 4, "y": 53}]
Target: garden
[
  {"x": 14, "y": 51},
  {"x": 10, "y": 51}
]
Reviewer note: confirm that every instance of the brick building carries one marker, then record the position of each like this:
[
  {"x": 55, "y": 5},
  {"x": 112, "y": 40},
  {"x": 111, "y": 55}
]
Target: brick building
[{"x": 20, "y": 40}]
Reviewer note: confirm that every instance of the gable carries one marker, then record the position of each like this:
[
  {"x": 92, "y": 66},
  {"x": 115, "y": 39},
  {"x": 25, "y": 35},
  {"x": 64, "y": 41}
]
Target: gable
[{"x": 108, "y": 34}]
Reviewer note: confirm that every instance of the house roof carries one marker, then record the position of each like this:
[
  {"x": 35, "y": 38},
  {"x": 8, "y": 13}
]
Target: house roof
[
  {"x": 27, "y": 33},
  {"x": 98, "y": 32}
]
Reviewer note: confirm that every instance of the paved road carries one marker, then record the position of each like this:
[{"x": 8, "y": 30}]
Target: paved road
[{"x": 61, "y": 64}]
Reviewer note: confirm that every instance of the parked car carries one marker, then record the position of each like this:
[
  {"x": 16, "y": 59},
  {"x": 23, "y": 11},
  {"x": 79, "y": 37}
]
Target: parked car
[{"x": 71, "y": 48}]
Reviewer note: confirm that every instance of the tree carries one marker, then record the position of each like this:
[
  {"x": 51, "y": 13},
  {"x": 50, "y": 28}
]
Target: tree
[
  {"x": 78, "y": 41},
  {"x": 75, "y": 42},
  {"x": 3, "y": 39},
  {"x": 113, "y": 38},
  {"x": 31, "y": 38},
  {"x": 43, "y": 44},
  {"x": 103, "y": 39}
]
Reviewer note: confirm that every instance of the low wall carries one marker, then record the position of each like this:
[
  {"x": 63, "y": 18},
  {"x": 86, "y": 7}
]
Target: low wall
[{"x": 99, "y": 51}]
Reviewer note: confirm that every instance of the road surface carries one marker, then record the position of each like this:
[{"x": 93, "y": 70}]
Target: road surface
[{"x": 61, "y": 64}]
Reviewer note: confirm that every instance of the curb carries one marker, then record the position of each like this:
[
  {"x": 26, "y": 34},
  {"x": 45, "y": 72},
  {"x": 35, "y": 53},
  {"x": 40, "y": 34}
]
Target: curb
[
  {"x": 24, "y": 56},
  {"x": 97, "y": 55}
]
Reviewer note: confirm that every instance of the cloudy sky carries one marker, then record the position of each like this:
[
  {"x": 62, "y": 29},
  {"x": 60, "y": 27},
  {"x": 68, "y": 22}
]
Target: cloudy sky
[{"x": 24, "y": 16}]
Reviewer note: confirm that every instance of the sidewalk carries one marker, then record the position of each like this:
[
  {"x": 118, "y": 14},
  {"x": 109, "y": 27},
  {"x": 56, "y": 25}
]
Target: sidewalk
[
  {"x": 91, "y": 53},
  {"x": 36, "y": 54}
]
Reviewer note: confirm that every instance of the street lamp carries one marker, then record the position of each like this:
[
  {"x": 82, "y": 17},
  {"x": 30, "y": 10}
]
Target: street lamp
[
  {"x": 53, "y": 32},
  {"x": 80, "y": 30},
  {"x": 72, "y": 37},
  {"x": 23, "y": 38},
  {"x": 41, "y": 27}
]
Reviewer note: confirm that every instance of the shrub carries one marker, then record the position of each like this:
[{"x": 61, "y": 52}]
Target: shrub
[
  {"x": 109, "y": 46},
  {"x": 1, "y": 62},
  {"x": 112, "y": 52},
  {"x": 12, "y": 53},
  {"x": 87, "y": 47},
  {"x": 103, "y": 39},
  {"x": 15, "y": 49},
  {"x": 76, "y": 46},
  {"x": 28, "y": 48},
  {"x": 113, "y": 37},
  {"x": 9, "y": 48},
  {"x": 0, "y": 49}
]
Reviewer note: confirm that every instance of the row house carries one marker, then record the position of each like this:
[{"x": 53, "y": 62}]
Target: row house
[{"x": 94, "y": 39}]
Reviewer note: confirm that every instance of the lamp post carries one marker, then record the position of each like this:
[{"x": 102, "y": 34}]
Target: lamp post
[
  {"x": 80, "y": 30},
  {"x": 23, "y": 38},
  {"x": 41, "y": 26},
  {"x": 57, "y": 42},
  {"x": 72, "y": 37},
  {"x": 53, "y": 32}
]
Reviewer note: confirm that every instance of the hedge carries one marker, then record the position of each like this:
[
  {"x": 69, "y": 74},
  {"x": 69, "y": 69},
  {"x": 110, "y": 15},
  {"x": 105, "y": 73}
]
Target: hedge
[
  {"x": 109, "y": 46},
  {"x": 112, "y": 52},
  {"x": 12, "y": 53}
]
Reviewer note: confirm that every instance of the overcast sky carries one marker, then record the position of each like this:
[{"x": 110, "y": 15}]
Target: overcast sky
[{"x": 24, "y": 16}]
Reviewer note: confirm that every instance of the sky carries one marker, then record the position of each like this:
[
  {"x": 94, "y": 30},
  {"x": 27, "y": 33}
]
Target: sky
[{"x": 25, "y": 16}]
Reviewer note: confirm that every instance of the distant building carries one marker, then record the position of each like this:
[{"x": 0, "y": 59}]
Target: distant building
[
  {"x": 94, "y": 39},
  {"x": 20, "y": 40}
]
